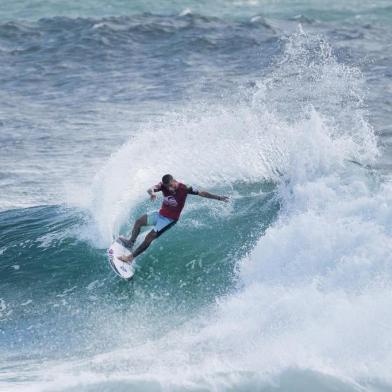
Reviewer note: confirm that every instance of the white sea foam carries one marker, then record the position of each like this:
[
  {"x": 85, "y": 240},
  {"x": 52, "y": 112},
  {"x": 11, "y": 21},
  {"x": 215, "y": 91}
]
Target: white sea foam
[
  {"x": 222, "y": 146},
  {"x": 289, "y": 128},
  {"x": 316, "y": 290},
  {"x": 314, "y": 294}
]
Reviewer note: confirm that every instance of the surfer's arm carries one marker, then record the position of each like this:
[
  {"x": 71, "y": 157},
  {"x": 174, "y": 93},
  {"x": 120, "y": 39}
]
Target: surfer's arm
[
  {"x": 155, "y": 188},
  {"x": 207, "y": 195}
]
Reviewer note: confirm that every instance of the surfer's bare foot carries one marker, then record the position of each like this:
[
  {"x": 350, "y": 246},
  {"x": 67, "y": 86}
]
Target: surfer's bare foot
[{"x": 126, "y": 259}]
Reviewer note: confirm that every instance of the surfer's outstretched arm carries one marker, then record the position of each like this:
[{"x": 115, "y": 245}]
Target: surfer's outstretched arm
[{"x": 212, "y": 196}]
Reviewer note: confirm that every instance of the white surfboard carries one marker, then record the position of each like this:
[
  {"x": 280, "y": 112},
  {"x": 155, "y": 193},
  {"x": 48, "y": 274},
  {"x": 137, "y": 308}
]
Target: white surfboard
[{"x": 122, "y": 269}]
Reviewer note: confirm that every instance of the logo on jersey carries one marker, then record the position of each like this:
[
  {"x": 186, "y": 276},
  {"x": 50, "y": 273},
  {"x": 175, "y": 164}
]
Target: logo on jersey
[{"x": 170, "y": 201}]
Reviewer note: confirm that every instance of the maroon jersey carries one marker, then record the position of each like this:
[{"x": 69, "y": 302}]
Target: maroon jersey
[{"x": 173, "y": 202}]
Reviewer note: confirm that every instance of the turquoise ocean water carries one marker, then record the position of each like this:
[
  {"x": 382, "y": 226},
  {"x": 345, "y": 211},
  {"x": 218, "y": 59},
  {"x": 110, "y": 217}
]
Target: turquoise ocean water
[{"x": 285, "y": 106}]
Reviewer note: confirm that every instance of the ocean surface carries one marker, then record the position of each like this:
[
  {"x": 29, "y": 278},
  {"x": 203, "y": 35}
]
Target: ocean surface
[{"x": 283, "y": 105}]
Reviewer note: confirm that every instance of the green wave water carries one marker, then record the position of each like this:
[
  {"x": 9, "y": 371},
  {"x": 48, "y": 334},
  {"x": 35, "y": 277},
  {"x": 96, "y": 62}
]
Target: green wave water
[
  {"x": 56, "y": 287},
  {"x": 281, "y": 105}
]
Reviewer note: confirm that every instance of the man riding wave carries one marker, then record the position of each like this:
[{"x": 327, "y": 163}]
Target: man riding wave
[{"x": 174, "y": 197}]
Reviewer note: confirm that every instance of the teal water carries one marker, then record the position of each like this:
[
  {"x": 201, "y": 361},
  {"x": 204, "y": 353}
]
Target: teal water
[
  {"x": 67, "y": 281},
  {"x": 220, "y": 8},
  {"x": 285, "y": 106}
]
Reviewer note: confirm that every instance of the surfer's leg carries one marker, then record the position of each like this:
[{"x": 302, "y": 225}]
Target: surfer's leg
[
  {"x": 162, "y": 224},
  {"x": 145, "y": 244},
  {"x": 140, "y": 222}
]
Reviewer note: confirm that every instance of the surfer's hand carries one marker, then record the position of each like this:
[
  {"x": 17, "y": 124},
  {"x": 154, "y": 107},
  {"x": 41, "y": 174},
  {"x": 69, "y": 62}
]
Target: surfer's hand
[
  {"x": 153, "y": 197},
  {"x": 224, "y": 198}
]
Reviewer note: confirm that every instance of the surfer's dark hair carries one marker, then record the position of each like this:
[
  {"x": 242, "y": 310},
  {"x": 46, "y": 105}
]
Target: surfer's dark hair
[{"x": 167, "y": 178}]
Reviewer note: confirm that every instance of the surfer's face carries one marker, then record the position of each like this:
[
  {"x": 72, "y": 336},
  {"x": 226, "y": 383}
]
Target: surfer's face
[{"x": 172, "y": 185}]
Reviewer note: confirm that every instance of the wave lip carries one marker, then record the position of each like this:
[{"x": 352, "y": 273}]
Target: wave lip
[{"x": 314, "y": 291}]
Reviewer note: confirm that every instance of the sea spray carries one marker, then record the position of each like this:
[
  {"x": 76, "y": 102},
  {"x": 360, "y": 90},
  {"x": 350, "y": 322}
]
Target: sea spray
[{"x": 313, "y": 294}]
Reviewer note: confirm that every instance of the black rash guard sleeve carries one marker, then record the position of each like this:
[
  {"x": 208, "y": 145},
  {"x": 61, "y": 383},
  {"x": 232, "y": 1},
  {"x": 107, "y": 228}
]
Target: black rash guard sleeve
[{"x": 191, "y": 190}]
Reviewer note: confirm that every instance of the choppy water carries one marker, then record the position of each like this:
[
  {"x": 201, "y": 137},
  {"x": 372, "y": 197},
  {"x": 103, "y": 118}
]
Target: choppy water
[{"x": 283, "y": 105}]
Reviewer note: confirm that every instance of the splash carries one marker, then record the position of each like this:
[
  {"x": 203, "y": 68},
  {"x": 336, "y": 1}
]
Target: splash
[
  {"x": 314, "y": 293},
  {"x": 287, "y": 127}
]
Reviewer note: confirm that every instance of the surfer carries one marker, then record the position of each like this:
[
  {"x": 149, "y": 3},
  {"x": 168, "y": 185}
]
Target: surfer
[{"x": 174, "y": 196}]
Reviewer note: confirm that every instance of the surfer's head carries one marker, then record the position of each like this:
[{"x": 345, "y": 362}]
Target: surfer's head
[{"x": 169, "y": 182}]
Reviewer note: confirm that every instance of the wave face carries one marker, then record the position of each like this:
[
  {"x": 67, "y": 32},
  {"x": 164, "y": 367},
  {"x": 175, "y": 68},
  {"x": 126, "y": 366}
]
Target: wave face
[{"x": 288, "y": 287}]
